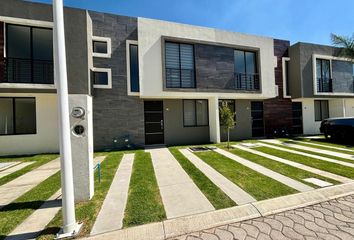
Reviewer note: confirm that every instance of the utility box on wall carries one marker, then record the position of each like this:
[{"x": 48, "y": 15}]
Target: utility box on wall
[{"x": 82, "y": 145}]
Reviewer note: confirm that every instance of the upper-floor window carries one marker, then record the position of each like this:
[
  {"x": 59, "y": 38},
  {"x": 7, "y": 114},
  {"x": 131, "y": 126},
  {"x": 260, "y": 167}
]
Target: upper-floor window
[
  {"x": 195, "y": 113},
  {"x": 17, "y": 116},
  {"x": 134, "y": 67},
  {"x": 246, "y": 72},
  {"x": 286, "y": 76},
  {"x": 179, "y": 63},
  {"x": 101, "y": 47},
  {"x": 323, "y": 73},
  {"x": 321, "y": 110},
  {"x": 102, "y": 78},
  {"x": 29, "y": 55}
]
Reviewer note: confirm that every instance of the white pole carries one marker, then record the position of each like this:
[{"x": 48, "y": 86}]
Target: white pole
[{"x": 67, "y": 185}]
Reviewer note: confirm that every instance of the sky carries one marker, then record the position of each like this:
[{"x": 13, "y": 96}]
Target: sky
[{"x": 294, "y": 20}]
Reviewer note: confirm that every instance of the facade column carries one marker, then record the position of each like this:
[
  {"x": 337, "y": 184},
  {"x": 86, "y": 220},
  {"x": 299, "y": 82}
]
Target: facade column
[{"x": 214, "y": 126}]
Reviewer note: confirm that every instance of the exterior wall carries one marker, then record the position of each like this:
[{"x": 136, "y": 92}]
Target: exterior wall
[
  {"x": 175, "y": 132},
  {"x": 243, "y": 128},
  {"x": 151, "y": 33},
  {"x": 115, "y": 114},
  {"x": 336, "y": 108},
  {"x": 46, "y": 138},
  {"x": 310, "y": 126},
  {"x": 278, "y": 111},
  {"x": 28, "y": 13},
  {"x": 295, "y": 80},
  {"x": 349, "y": 107}
]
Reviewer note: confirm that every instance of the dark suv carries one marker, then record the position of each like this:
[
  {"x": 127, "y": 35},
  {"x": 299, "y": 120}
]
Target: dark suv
[{"x": 338, "y": 128}]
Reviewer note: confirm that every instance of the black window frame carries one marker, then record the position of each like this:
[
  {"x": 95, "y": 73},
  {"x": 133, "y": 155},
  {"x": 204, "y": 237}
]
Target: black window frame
[
  {"x": 130, "y": 68},
  {"x": 228, "y": 100},
  {"x": 180, "y": 68},
  {"x": 321, "y": 79},
  {"x": 244, "y": 59},
  {"x": 14, "y": 115},
  {"x": 31, "y": 59},
  {"x": 321, "y": 110},
  {"x": 195, "y": 112}
]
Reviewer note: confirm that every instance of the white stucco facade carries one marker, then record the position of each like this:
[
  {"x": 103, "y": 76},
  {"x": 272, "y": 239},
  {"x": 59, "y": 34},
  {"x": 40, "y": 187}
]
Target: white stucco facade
[
  {"x": 46, "y": 138},
  {"x": 150, "y": 34}
]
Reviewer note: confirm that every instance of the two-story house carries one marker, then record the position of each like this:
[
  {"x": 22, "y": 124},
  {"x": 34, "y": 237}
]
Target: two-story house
[{"x": 151, "y": 81}]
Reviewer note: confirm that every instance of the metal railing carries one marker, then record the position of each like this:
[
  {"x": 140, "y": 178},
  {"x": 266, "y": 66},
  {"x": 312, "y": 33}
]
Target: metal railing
[
  {"x": 18, "y": 70},
  {"x": 324, "y": 85},
  {"x": 180, "y": 78},
  {"x": 246, "y": 81}
]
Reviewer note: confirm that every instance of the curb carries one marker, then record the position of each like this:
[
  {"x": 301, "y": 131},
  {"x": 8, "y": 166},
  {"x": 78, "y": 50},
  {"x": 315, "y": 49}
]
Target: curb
[{"x": 184, "y": 225}]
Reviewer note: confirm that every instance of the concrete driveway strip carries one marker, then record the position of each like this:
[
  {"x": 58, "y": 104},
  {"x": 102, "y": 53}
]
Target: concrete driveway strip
[
  {"x": 295, "y": 164},
  {"x": 14, "y": 189},
  {"x": 111, "y": 214},
  {"x": 180, "y": 196},
  {"x": 13, "y": 169},
  {"x": 306, "y": 154},
  {"x": 267, "y": 172},
  {"x": 38, "y": 220},
  {"x": 236, "y": 193},
  {"x": 326, "y": 146},
  {"x": 316, "y": 150}
]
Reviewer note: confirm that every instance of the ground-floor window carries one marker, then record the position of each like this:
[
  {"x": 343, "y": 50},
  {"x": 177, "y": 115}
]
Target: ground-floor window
[
  {"x": 17, "y": 116},
  {"x": 297, "y": 118},
  {"x": 321, "y": 110},
  {"x": 195, "y": 113},
  {"x": 229, "y": 103}
]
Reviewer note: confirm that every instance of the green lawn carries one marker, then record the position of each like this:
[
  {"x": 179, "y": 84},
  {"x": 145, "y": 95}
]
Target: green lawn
[
  {"x": 87, "y": 212},
  {"x": 144, "y": 201},
  {"x": 259, "y": 186},
  {"x": 325, "y": 147},
  {"x": 37, "y": 160},
  {"x": 323, "y": 141},
  {"x": 16, "y": 212},
  {"x": 282, "y": 168},
  {"x": 214, "y": 194},
  {"x": 312, "y": 162}
]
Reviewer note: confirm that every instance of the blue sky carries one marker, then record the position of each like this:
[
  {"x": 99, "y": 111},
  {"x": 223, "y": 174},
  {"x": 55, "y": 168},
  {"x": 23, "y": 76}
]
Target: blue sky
[{"x": 295, "y": 20}]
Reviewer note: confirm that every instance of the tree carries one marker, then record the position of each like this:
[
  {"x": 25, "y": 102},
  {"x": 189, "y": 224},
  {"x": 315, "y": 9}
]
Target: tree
[
  {"x": 346, "y": 44},
  {"x": 227, "y": 119}
]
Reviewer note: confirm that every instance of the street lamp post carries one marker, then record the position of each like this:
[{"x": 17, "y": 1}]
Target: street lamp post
[{"x": 70, "y": 226}]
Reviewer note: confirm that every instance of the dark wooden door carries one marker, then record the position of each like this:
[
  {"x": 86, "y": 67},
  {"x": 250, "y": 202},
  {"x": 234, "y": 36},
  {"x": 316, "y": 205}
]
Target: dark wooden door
[
  {"x": 297, "y": 118},
  {"x": 154, "y": 125},
  {"x": 257, "y": 119}
]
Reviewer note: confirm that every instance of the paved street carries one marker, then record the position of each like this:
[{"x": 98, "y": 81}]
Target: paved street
[{"x": 328, "y": 220}]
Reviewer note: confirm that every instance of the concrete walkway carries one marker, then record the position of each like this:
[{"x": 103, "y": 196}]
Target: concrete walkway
[
  {"x": 267, "y": 172},
  {"x": 316, "y": 150},
  {"x": 111, "y": 214},
  {"x": 307, "y": 154},
  {"x": 237, "y": 194},
  {"x": 13, "y": 169},
  {"x": 295, "y": 164},
  {"x": 179, "y": 194},
  {"x": 14, "y": 189},
  {"x": 38, "y": 220},
  {"x": 326, "y": 146}
]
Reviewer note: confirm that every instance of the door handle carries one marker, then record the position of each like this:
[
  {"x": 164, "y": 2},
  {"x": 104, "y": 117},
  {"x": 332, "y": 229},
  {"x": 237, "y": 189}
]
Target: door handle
[{"x": 161, "y": 122}]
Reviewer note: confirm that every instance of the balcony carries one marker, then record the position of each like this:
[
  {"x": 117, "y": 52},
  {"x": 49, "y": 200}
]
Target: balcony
[
  {"x": 17, "y": 70},
  {"x": 246, "y": 82},
  {"x": 324, "y": 85}
]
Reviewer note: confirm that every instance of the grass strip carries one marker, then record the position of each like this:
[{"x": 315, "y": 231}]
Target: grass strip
[
  {"x": 86, "y": 212},
  {"x": 16, "y": 212},
  {"x": 259, "y": 186},
  {"x": 328, "y": 142},
  {"x": 37, "y": 160},
  {"x": 312, "y": 162},
  {"x": 282, "y": 168},
  {"x": 144, "y": 201},
  {"x": 324, "y": 147},
  {"x": 213, "y": 193}
]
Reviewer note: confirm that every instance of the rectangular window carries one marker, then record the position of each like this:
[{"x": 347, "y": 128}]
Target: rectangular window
[
  {"x": 101, "y": 77},
  {"x": 230, "y": 104},
  {"x": 29, "y": 54},
  {"x": 246, "y": 72},
  {"x": 179, "y": 63},
  {"x": 17, "y": 116},
  {"x": 286, "y": 75},
  {"x": 321, "y": 110},
  {"x": 134, "y": 67},
  {"x": 195, "y": 113},
  {"x": 323, "y": 72},
  {"x": 99, "y": 47}
]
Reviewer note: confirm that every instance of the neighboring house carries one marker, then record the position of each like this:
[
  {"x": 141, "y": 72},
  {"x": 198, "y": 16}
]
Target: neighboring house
[
  {"x": 155, "y": 82},
  {"x": 320, "y": 81}
]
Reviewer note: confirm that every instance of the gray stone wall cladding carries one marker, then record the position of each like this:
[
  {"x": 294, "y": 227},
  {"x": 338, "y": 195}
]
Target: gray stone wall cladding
[
  {"x": 340, "y": 69},
  {"x": 115, "y": 114}
]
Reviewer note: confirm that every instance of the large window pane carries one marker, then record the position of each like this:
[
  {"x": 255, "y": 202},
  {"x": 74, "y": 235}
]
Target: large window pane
[
  {"x": 324, "y": 109},
  {"x": 318, "y": 111},
  {"x": 6, "y": 116},
  {"x": 202, "y": 112},
  {"x": 321, "y": 110},
  {"x": 25, "y": 115},
  {"x": 250, "y": 62},
  {"x": 18, "y": 41},
  {"x": 42, "y": 44},
  {"x": 240, "y": 66},
  {"x": 134, "y": 68},
  {"x": 189, "y": 113}
]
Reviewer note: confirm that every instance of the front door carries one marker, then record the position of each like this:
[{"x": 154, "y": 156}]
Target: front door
[
  {"x": 154, "y": 125},
  {"x": 257, "y": 119}
]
